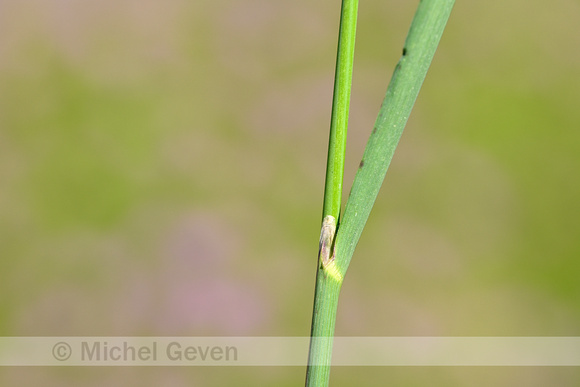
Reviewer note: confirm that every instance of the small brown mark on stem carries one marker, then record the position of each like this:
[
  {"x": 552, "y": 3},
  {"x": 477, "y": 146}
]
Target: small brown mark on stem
[{"x": 325, "y": 246}]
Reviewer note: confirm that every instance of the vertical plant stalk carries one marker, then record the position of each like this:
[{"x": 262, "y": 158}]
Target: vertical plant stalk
[
  {"x": 340, "y": 106},
  {"x": 328, "y": 282},
  {"x": 339, "y": 237}
]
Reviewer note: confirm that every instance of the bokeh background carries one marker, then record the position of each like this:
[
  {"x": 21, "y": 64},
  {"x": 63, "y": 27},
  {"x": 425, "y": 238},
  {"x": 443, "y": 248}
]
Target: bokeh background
[{"x": 162, "y": 167}]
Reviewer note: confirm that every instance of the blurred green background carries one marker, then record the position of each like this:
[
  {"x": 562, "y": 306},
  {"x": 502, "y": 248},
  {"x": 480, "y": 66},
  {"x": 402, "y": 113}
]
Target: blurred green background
[{"x": 162, "y": 167}]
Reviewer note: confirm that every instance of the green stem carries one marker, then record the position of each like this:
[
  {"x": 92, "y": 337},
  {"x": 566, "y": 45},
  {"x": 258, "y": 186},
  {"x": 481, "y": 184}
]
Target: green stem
[
  {"x": 327, "y": 284},
  {"x": 340, "y": 105},
  {"x": 335, "y": 252},
  {"x": 323, "y": 320}
]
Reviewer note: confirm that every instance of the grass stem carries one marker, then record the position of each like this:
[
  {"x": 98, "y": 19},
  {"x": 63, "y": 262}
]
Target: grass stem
[
  {"x": 339, "y": 235},
  {"x": 327, "y": 282}
]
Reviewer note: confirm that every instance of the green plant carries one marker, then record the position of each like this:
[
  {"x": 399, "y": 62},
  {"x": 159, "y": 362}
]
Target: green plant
[{"x": 340, "y": 234}]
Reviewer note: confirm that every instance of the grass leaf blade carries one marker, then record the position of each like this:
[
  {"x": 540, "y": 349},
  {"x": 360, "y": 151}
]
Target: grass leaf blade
[{"x": 420, "y": 46}]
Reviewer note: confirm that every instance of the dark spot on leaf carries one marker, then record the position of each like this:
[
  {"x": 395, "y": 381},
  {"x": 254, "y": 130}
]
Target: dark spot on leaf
[
  {"x": 404, "y": 51},
  {"x": 374, "y": 130},
  {"x": 362, "y": 163}
]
